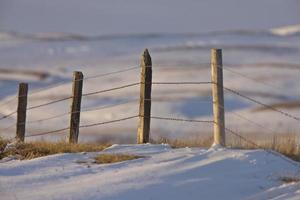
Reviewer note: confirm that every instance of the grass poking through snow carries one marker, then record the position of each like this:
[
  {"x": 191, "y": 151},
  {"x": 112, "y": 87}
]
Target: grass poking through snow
[
  {"x": 41, "y": 148},
  {"x": 114, "y": 157}
]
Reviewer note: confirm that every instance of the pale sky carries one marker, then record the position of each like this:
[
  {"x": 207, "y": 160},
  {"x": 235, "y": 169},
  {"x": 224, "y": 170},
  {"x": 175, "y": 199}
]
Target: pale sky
[{"x": 95, "y": 17}]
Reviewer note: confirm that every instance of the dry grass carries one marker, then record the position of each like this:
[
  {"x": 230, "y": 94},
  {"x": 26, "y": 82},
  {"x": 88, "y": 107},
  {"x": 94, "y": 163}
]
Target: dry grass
[
  {"x": 38, "y": 149},
  {"x": 3, "y": 143},
  {"x": 288, "y": 180},
  {"x": 114, "y": 157},
  {"x": 286, "y": 144}
]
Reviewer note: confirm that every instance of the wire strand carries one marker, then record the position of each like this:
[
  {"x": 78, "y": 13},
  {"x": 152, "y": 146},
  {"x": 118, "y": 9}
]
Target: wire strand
[
  {"x": 86, "y": 78},
  {"x": 260, "y": 147},
  {"x": 111, "y": 73},
  {"x": 179, "y": 119},
  {"x": 249, "y": 120},
  {"x": 249, "y": 78},
  {"x": 8, "y": 115},
  {"x": 111, "y": 89},
  {"x": 263, "y": 104},
  {"x": 48, "y": 132},
  {"x": 48, "y": 103},
  {"x": 89, "y": 109},
  {"x": 181, "y": 83},
  {"x": 108, "y": 122}
]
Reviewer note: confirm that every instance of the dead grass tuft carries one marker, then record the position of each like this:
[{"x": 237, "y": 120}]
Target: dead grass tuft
[
  {"x": 114, "y": 157},
  {"x": 288, "y": 180},
  {"x": 38, "y": 149},
  {"x": 3, "y": 143},
  {"x": 286, "y": 144}
]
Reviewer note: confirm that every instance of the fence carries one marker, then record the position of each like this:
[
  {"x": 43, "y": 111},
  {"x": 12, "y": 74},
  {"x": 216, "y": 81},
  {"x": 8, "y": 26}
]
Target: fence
[{"x": 145, "y": 100}]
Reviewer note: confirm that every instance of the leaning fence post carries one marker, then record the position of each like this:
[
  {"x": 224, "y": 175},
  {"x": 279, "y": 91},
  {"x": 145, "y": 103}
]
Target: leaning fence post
[
  {"x": 75, "y": 107},
  {"x": 21, "y": 111},
  {"x": 218, "y": 96},
  {"x": 145, "y": 99}
]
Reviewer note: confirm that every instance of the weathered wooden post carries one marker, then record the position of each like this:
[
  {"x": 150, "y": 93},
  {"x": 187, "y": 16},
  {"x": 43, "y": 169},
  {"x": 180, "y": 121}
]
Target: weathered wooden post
[
  {"x": 21, "y": 112},
  {"x": 75, "y": 107},
  {"x": 145, "y": 99},
  {"x": 218, "y": 96}
]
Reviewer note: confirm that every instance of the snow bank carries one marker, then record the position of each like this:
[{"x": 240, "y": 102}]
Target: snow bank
[
  {"x": 286, "y": 30},
  {"x": 164, "y": 173}
]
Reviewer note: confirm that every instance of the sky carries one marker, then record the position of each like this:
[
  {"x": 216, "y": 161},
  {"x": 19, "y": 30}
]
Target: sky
[{"x": 94, "y": 17}]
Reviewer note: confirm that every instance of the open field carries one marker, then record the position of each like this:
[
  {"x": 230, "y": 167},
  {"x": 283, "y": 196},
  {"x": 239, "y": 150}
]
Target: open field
[{"x": 161, "y": 173}]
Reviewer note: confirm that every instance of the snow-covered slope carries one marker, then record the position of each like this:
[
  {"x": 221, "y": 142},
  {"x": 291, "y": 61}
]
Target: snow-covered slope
[{"x": 164, "y": 173}]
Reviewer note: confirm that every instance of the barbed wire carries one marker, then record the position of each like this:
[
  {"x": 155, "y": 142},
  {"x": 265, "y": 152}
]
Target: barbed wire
[
  {"x": 260, "y": 147},
  {"x": 249, "y": 120},
  {"x": 48, "y": 103},
  {"x": 111, "y": 89},
  {"x": 48, "y": 118},
  {"x": 108, "y": 122},
  {"x": 162, "y": 99},
  {"x": 8, "y": 115},
  {"x": 108, "y": 106},
  {"x": 111, "y": 73},
  {"x": 181, "y": 83},
  {"x": 85, "y": 78},
  {"x": 263, "y": 104},
  {"x": 248, "y": 77},
  {"x": 48, "y": 132},
  {"x": 178, "y": 119},
  {"x": 56, "y": 85},
  {"x": 89, "y": 109}
]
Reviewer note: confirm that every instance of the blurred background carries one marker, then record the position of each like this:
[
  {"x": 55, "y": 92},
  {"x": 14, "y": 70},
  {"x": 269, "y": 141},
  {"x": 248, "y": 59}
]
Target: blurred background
[{"x": 42, "y": 42}]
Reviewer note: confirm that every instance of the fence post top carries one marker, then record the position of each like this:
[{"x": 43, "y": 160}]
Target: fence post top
[
  {"x": 216, "y": 50},
  {"x": 23, "y": 83},
  {"x": 77, "y": 72},
  {"x": 146, "y": 58}
]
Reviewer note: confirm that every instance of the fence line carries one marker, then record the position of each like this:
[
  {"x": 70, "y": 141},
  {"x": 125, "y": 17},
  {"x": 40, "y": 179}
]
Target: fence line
[
  {"x": 56, "y": 85},
  {"x": 180, "y": 119},
  {"x": 8, "y": 115},
  {"x": 111, "y": 89},
  {"x": 86, "y": 78},
  {"x": 249, "y": 120},
  {"x": 147, "y": 65},
  {"x": 111, "y": 73},
  {"x": 262, "y": 148},
  {"x": 108, "y": 122},
  {"x": 263, "y": 104},
  {"x": 48, "y": 103},
  {"x": 82, "y": 111},
  {"x": 181, "y": 83},
  {"x": 159, "y": 99},
  {"x": 249, "y": 78},
  {"x": 48, "y": 132}
]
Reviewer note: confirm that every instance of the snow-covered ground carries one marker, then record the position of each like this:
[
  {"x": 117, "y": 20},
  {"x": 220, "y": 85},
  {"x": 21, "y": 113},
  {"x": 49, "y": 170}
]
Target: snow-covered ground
[
  {"x": 42, "y": 42},
  {"x": 163, "y": 173}
]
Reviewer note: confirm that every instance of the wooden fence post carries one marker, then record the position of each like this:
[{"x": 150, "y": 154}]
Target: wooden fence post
[
  {"x": 75, "y": 107},
  {"x": 21, "y": 112},
  {"x": 218, "y": 96},
  {"x": 145, "y": 99}
]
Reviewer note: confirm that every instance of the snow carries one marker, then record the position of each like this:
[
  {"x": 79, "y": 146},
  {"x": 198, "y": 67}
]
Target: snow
[
  {"x": 163, "y": 173},
  {"x": 286, "y": 30}
]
